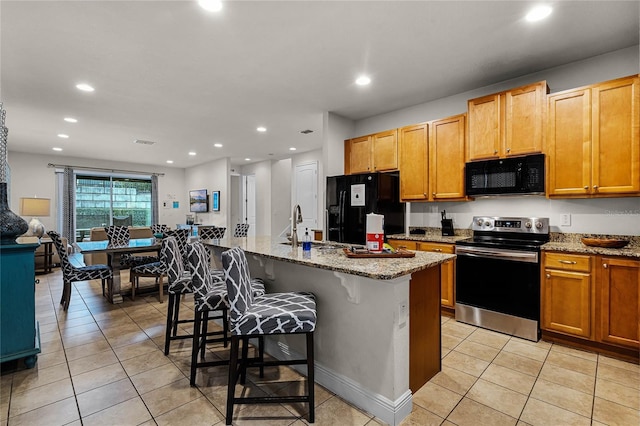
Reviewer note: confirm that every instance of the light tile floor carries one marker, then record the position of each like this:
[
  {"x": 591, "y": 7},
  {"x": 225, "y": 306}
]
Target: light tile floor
[{"x": 103, "y": 364}]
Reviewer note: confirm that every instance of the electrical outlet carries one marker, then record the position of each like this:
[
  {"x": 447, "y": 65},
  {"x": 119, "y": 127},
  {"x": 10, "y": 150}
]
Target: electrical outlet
[
  {"x": 403, "y": 313},
  {"x": 565, "y": 219}
]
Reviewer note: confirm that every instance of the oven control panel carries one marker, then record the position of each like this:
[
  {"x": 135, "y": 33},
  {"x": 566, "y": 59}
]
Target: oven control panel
[{"x": 530, "y": 225}]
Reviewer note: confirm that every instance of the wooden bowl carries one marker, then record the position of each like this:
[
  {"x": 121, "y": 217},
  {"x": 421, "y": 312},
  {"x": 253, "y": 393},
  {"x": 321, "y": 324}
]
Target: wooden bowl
[{"x": 604, "y": 242}]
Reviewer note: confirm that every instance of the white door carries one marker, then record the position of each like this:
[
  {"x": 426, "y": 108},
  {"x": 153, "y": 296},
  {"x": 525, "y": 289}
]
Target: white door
[
  {"x": 306, "y": 195},
  {"x": 249, "y": 204}
]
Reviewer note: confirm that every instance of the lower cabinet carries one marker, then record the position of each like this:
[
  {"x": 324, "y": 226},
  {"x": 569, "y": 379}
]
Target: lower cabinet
[
  {"x": 447, "y": 269},
  {"x": 619, "y": 301},
  {"x": 567, "y": 294},
  {"x": 594, "y": 298}
]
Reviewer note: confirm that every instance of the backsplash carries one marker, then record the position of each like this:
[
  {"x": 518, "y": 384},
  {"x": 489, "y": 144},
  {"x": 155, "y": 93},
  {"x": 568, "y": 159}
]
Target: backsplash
[{"x": 603, "y": 216}]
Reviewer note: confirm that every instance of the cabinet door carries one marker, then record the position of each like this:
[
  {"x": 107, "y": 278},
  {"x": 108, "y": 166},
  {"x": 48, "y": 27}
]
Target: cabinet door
[
  {"x": 567, "y": 302},
  {"x": 385, "y": 151},
  {"x": 616, "y": 137},
  {"x": 407, "y": 244},
  {"x": 358, "y": 155},
  {"x": 446, "y": 158},
  {"x": 447, "y": 272},
  {"x": 484, "y": 127},
  {"x": 569, "y": 143},
  {"x": 524, "y": 119},
  {"x": 414, "y": 164},
  {"x": 619, "y": 301}
]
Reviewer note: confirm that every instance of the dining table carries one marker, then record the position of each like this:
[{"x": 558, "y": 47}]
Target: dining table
[{"x": 114, "y": 254}]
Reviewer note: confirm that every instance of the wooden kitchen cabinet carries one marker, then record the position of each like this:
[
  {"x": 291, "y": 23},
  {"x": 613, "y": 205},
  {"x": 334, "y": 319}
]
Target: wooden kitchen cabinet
[
  {"x": 619, "y": 301},
  {"x": 372, "y": 153},
  {"x": 447, "y": 269},
  {"x": 508, "y": 123},
  {"x": 567, "y": 294},
  {"x": 414, "y": 162},
  {"x": 594, "y": 140},
  {"x": 446, "y": 158}
]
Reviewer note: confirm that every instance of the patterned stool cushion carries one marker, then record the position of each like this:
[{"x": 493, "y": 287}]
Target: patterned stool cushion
[{"x": 273, "y": 313}]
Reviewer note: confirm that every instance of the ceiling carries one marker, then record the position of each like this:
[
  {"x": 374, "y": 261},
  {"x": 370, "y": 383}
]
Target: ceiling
[{"x": 172, "y": 73}]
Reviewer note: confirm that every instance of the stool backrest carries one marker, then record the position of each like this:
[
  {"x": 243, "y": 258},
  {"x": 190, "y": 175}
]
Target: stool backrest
[
  {"x": 182, "y": 236},
  {"x": 236, "y": 272},
  {"x": 200, "y": 271},
  {"x": 117, "y": 235},
  {"x": 218, "y": 232},
  {"x": 171, "y": 259}
]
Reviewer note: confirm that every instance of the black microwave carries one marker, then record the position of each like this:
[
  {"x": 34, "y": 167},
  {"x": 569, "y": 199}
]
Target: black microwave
[{"x": 515, "y": 175}]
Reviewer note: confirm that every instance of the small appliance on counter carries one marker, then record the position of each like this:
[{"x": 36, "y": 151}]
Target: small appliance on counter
[{"x": 447, "y": 225}]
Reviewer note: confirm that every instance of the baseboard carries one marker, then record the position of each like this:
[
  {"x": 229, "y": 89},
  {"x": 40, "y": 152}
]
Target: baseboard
[{"x": 391, "y": 412}]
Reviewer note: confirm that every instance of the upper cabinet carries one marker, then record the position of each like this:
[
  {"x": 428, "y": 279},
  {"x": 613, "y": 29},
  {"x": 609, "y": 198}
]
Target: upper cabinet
[
  {"x": 507, "y": 123},
  {"x": 432, "y": 160},
  {"x": 414, "y": 162},
  {"x": 373, "y": 153},
  {"x": 446, "y": 158},
  {"x": 594, "y": 140}
]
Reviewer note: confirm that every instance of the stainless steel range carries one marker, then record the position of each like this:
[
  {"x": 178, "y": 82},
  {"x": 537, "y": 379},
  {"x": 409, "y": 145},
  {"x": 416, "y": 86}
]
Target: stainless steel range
[{"x": 498, "y": 274}]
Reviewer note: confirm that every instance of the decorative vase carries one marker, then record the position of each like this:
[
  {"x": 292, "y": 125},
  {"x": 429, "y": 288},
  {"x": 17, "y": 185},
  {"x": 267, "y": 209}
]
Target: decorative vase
[{"x": 11, "y": 225}]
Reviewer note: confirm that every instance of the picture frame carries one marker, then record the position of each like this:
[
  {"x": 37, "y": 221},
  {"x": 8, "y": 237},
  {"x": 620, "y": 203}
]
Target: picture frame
[
  {"x": 215, "y": 201},
  {"x": 198, "y": 201}
]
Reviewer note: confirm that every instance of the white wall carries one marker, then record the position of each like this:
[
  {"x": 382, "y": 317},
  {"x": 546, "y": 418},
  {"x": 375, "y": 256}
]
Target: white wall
[
  {"x": 262, "y": 171},
  {"x": 31, "y": 176},
  {"x": 212, "y": 176},
  {"x": 281, "y": 175},
  {"x": 616, "y": 216},
  {"x": 335, "y": 130}
]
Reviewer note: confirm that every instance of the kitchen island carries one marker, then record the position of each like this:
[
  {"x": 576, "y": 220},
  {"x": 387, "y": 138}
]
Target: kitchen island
[{"x": 377, "y": 338}]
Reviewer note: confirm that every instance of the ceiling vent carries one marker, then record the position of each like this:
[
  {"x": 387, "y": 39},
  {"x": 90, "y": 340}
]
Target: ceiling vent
[
  {"x": 143, "y": 142},
  {"x": 306, "y": 132}
]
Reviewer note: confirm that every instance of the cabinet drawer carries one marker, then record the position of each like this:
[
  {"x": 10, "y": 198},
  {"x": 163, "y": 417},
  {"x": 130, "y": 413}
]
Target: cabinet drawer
[
  {"x": 437, "y": 247},
  {"x": 409, "y": 245},
  {"x": 567, "y": 262}
]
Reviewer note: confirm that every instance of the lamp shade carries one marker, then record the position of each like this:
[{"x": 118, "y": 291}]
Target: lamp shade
[{"x": 35, "y": 207}]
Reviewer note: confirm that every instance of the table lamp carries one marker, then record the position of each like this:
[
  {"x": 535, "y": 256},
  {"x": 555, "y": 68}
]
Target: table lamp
[{"x": 35, "y": 207}]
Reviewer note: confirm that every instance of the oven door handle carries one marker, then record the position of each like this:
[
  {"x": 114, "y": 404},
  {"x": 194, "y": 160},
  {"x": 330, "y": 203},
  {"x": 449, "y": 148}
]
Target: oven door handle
[{"x": 525, "y": 256}]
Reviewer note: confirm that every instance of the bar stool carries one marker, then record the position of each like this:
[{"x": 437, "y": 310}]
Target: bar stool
[
  {"x": 241, "y": 230},
  {"x": 271, "y": 314}
]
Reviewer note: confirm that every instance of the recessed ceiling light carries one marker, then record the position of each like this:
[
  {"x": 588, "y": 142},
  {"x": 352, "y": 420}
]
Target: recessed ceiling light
[
  {"x": 211, "y": 5},
  {"x": 63, "y": 136},
  {"x": 85, "y": 87},
  {"x": 363, "y": 80},
  {"x": 293, "y": 148},
  {"x": 261, "y": 129},
  {"x": 217, "y": 145},
  {"x": 538, "y": 13},
  {"x": 247, "y": 159},
  {"x": 169, "y": 161},
  {"x": 70, "y": 120},
  {"x": 57, "y": 149},
  {"x": 192, "y": 153}
]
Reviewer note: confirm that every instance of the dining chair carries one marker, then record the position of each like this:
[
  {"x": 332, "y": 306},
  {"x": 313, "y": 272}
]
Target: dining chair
[
  {"x": 151, "y": 269},
  {"x": 270, "y": 314},
  {"x": 241, "y": 230},
  {"x": 71, "y": 273},
  {"x": 120, "y": 236},
  {"x": 158, "y": 228}
]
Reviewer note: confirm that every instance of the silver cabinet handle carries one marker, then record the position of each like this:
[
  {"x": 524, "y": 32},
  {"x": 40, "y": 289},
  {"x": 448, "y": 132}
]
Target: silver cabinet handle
[
  {"x": 495, "y": 152},
  {"x": 508, "y": 149},
  {"x": 595, "y": 187},
  {"x": 586, "y": 187},
  {"x": 605, "y": 266},
  {"x": 548, "y": 275},
  {"x": 436, "y": 249},
  {"x": 568, "y": 262}
]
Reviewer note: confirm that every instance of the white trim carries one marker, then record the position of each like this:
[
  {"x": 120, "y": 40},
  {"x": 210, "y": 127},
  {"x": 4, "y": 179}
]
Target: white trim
[{"x": 391, "y": 412}]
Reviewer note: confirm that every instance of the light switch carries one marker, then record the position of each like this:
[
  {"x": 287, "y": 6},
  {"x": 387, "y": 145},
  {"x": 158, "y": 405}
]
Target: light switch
[{"x": 565, "y": 219}]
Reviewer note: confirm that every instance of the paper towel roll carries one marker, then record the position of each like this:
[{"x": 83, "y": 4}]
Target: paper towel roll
[{"x": 375, "y": 232}]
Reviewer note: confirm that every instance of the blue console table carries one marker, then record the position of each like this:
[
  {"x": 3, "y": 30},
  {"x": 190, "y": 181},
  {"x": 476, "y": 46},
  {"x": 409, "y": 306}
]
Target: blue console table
[{"x": 19, "y": 331}]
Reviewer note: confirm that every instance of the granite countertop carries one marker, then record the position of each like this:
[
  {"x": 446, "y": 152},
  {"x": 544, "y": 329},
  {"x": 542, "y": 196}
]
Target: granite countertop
[
  {"x": 331, "y": 257},
  {"x": 434, "y": 235},
  {"x": 573, "y": 243}
]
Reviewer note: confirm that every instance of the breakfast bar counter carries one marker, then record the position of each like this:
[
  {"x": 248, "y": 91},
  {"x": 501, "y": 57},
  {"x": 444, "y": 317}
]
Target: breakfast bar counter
[{"x": 377, "y": 338}]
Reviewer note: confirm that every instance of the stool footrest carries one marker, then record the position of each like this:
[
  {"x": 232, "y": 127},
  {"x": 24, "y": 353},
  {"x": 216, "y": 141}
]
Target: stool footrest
[{"x": 270, "y": 399}]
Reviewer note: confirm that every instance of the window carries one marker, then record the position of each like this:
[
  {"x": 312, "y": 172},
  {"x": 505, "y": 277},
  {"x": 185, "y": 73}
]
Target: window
[{"x": 111, "y": 200}]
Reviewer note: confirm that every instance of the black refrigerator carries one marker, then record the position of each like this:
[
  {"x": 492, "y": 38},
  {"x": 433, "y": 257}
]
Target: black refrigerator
[{"x": 351, "y": 197}]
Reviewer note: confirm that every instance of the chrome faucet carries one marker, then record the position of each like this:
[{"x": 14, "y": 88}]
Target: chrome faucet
[{"x": 296, "y": 218}]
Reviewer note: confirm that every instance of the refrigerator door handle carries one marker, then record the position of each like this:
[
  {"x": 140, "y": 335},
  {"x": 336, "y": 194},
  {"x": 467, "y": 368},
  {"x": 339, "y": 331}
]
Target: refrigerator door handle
[{"x": 341, "y": 215}]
